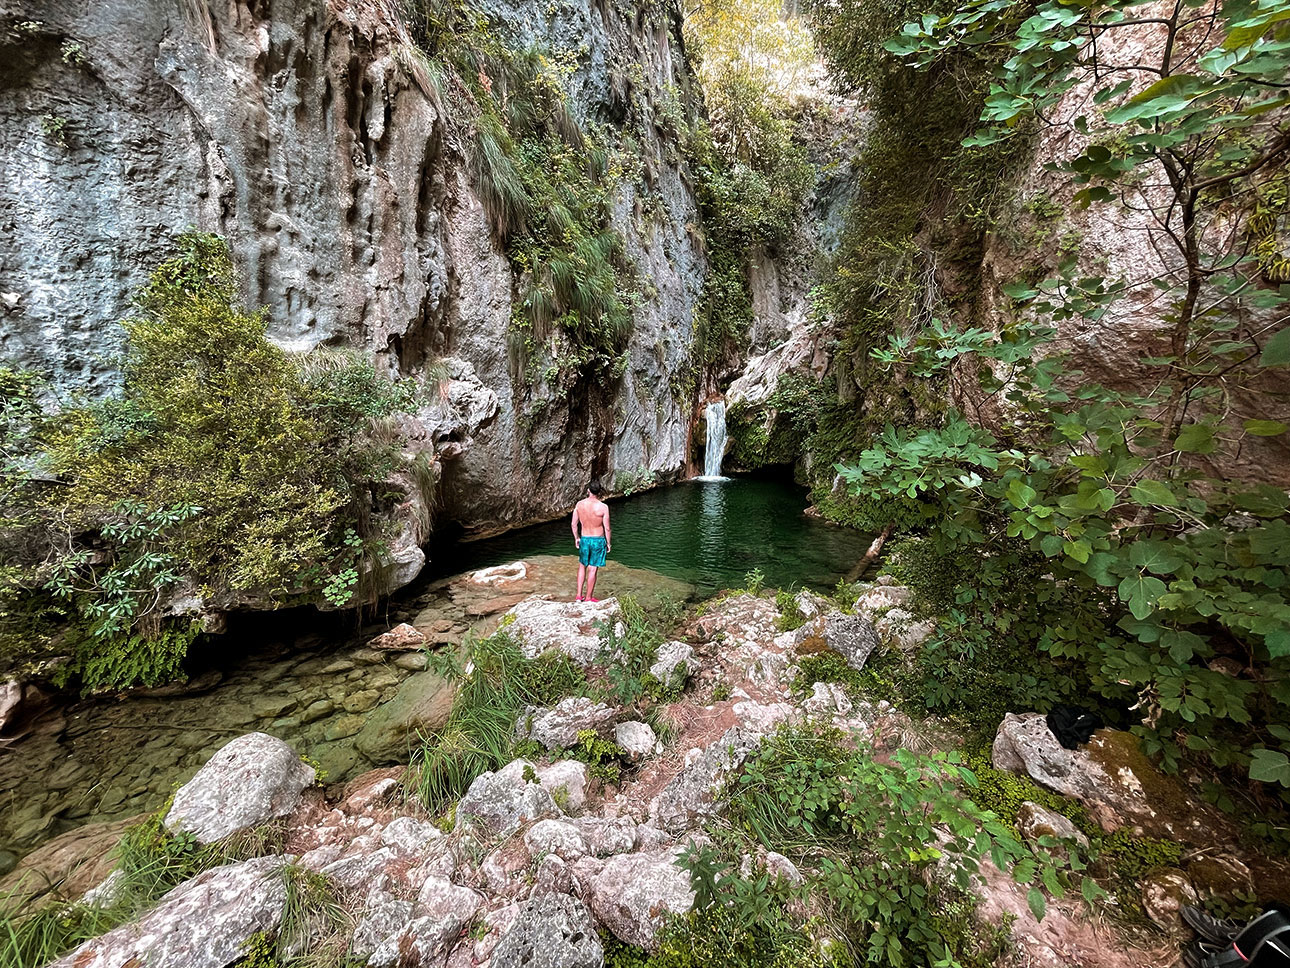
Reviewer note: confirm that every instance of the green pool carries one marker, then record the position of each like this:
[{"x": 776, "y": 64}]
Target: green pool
[{"x": 706, "y": 533}]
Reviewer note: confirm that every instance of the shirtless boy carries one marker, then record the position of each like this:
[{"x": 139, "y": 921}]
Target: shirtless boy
[{"x": 591, "y": 518}]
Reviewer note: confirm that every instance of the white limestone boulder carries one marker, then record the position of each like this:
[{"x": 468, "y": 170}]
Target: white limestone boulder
[
  {"x": 250, "y": 781},
  {"x": 203, "y": 923}
]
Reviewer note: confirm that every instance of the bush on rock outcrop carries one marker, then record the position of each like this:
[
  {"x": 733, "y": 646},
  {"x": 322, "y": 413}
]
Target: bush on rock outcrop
[{"x": 226, "y": 471}]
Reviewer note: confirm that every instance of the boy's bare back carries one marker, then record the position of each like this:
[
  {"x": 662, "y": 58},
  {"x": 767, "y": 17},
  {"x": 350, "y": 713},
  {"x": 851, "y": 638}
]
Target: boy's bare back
[{"x": 591, "y": 517}]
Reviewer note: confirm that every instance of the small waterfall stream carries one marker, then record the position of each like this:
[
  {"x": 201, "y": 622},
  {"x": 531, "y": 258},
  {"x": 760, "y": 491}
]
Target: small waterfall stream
[{"x": 715, "y": 448}]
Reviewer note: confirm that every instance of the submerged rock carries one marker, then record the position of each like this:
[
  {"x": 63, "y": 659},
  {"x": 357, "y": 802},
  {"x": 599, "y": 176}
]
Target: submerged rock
[
  {"x": 551, "y": 931},
  {"x": 248, "y": 782},
  {"x": 203, "y": 923},
  {"x": 422, "y": 704}
]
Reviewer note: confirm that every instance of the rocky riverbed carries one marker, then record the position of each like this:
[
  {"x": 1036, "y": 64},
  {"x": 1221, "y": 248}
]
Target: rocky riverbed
[
  {"x": 347, "y": 706},
  {"x": 544, "y": 859}
]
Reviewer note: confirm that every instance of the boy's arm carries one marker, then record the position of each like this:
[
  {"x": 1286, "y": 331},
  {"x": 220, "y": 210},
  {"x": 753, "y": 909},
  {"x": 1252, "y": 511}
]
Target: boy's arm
[
  {"x": 573, "y": 525},
  {"x": 609, "y": 543}
]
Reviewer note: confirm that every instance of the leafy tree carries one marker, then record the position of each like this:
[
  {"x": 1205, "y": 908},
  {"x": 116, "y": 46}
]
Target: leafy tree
[{"x": 1177, "y": 571}]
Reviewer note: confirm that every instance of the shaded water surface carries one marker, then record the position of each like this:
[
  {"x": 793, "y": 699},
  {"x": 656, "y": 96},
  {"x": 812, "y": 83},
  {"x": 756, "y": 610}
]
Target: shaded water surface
[{"x": 708, "y": 534}]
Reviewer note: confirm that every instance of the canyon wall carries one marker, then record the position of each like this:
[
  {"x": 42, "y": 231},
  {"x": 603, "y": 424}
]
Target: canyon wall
[{"x": 311, "y": 135}]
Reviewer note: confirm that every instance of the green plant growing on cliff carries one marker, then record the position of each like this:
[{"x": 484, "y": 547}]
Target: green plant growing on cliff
[
  {"x": 913, "y": 236},
  {"x": 1122, "y": 494},
  {"x": 752, "y": 166},
  {"x": 547, "y": 183},
  {"x": 225, "y": 466}
]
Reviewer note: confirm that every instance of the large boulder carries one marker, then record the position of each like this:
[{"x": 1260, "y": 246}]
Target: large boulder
[
  {"x": 552, "y": 931},
  {"x": 634, "y": 895},
  {"x": 421, "y": 704},
  {"x": 1110, "y": 776},
  {"x": 558, "y": 727},
  {"x": 500, "y": 803},
  {"x": 851, "y": 636},
  {"x": 568, "y": 627},
  {"x": 248, "y": 782},
  {"x": 691, "y": 794},
  {"x": 203, "y": 923}
]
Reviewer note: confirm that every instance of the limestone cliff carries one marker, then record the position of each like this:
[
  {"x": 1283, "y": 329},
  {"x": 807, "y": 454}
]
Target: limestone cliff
[{"x": 310, "y": 135}]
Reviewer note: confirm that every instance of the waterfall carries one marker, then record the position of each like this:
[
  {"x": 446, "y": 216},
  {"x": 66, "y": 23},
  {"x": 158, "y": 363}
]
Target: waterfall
[{"x": 715, "y": 448}]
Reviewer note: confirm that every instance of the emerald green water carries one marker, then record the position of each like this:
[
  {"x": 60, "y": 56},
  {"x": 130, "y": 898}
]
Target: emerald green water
[{"x": 706, "y": 533}]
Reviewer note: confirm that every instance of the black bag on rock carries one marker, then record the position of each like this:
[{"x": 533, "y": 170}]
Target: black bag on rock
[{"x": 1263, "y": 943}]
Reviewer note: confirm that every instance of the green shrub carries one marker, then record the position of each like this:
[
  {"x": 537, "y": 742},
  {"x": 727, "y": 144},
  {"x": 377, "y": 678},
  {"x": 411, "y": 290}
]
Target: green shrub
[
  {"x": 628, "y": 657},
  {"x": 224, "y": 463},
  {"x": 480, "y": 732},
  {"x": 867, "y": 830},
  {"x": 1004, "y": 793},
  {"x": 827, "y": 666},
  {"x": 790, "y": 614}
]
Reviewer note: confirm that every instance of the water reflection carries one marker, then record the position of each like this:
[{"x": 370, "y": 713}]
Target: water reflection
[{"x": 711, "y": 526}]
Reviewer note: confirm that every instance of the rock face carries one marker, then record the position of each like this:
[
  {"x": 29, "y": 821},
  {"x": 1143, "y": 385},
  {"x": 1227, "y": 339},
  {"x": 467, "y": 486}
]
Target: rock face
[
  {"x": 1110, "y": 776},
  {"x": 309, "y": 135},
  {"x": 250, "y": 781},
  {"x": 422, "y": 703},
  {"x": 203, "y": 923},
  {"x": 552, "y": 931}
]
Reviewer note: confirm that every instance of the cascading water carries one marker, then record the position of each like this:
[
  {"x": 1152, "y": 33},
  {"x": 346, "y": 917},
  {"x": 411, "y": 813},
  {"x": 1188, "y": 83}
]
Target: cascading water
[{"x": 715, "y": 448}]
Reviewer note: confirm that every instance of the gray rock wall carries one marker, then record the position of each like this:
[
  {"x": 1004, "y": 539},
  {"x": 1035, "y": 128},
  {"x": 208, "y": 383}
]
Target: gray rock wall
[{"x": 308, "y": 133}]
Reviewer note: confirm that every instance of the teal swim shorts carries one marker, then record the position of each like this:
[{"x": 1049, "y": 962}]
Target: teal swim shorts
[{"x": 591, "y": 551}]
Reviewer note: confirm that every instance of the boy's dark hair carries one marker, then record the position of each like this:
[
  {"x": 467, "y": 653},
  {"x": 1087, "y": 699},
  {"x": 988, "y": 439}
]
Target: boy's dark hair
[{"x": 596, "y": 488}]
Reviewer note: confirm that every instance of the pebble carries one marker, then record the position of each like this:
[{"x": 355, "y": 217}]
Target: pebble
[
  {"x": 344, "y": 727},
  {"x": 317, "y": 710},
  {"x": 415, "y": 661}
]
